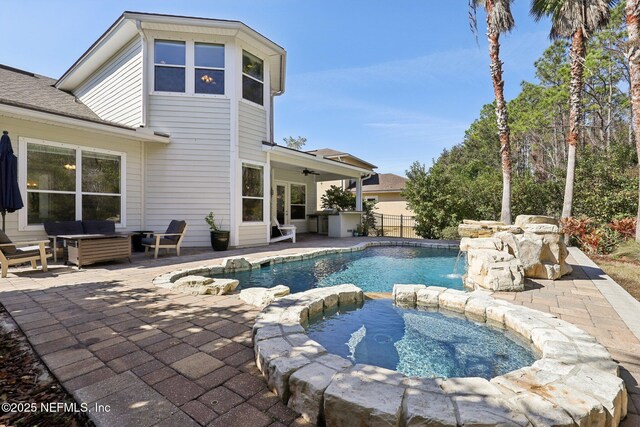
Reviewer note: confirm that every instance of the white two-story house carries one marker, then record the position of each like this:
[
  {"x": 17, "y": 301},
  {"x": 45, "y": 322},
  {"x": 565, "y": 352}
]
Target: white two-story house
[{"x": 163, "y": 117}]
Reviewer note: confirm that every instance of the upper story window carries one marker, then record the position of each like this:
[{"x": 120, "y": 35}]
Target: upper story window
[
  {"x": 178, "y": 63},
  {"x": 170, "y": 66},
  {"x": 209, "y": 68},
  {"x": 252, "y": 78}
]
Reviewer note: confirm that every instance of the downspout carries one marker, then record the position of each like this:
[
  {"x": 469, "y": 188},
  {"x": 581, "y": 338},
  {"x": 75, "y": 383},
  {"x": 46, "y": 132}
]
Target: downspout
[
  {"x": 271, "y": 104},
  {"x": 271, "y": 116},
  {"x": 359, "y": 202},
  {"x": 143, "y": 123},
  {"x": 145, "y": 79}
]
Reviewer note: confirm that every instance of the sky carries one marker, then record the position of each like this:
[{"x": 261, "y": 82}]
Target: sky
[{"x": 390, "y": 82}]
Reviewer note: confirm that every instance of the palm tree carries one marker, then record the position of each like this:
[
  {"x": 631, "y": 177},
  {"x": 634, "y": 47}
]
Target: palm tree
[
  {"x": 576, "y": 20},
  {"x": 499, "y": 20},
  {"x": 632, "y": 11}
]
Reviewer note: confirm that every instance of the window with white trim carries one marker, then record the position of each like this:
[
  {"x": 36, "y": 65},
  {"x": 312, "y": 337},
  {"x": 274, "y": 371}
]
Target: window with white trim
[
  {"x": 178, "y": 63},
  {"x": 252, "y": 193},
  {"x": 170, "y": 65},
  {"x": 298, "y": 204},
  {"x": 209, "y": 68},
  {"x": 73, "y": 183},
  {"x": 252, "y": 78}
]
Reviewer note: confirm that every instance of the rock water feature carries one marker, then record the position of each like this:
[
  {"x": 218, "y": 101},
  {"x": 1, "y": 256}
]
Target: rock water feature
[{"x": 500, "y": 256}]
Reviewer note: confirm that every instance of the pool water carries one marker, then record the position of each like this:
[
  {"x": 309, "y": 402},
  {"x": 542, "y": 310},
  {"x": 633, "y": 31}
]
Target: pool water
[
  {"x": 374, "y": 269},
  {"x": 419, "y": 343}
]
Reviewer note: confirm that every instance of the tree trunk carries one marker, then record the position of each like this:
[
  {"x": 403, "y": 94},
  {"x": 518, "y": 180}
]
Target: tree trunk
[
  {"x": 577, "y": 54},
  {"x": 493, "y": 36},
  {"x": 633, "y": 28},
  {"x": 609, "y": 108}
]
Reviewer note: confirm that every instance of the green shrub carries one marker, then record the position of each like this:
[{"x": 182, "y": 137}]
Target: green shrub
[
  {"x": 338, "y": 198},
  {"x": 450, "y": 233}
]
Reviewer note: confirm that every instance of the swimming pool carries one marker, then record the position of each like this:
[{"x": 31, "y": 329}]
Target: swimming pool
[
  {"x": 418, "y": 343},
  {"x": 374, "y": 269}
]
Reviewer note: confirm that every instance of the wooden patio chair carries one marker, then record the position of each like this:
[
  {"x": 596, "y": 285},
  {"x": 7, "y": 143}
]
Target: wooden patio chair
[
  {"x": 14, "y": 253},
  {"x": 171, "y": 239},
  {"x": 286, "y": 232}
]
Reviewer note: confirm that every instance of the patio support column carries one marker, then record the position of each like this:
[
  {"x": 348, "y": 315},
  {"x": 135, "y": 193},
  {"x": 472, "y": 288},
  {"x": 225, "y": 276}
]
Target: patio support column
[{"x": 359, "y": 194}]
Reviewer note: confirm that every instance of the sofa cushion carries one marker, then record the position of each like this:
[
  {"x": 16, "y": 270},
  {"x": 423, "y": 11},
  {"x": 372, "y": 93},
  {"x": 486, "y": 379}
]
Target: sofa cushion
[
  {"x": 57, "y": 228},
  {"x": 98, "y": 227},
  {"x": 175, "y": 227},
  {"x": 25, "y": 253},
  {"x": 151, "y": 241},
  {"x": 7, "y": 250}
]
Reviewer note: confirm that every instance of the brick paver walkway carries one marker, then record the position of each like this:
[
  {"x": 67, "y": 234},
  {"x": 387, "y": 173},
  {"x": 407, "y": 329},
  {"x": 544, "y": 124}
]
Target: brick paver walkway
[{"x": 163, "y": 358}]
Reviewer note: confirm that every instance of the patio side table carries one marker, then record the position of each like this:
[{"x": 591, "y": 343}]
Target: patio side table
[
  {"x": 136, "y": 239},
  {"x": 83, "y": 249}
]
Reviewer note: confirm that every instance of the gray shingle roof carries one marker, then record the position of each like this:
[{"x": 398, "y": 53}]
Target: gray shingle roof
[
  {"x": 24, "y": 89},
  {"x": 382, "y": 182}
]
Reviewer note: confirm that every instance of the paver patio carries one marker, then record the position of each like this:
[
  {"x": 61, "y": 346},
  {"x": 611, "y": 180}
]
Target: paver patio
[{"x": 162, "y": 358}]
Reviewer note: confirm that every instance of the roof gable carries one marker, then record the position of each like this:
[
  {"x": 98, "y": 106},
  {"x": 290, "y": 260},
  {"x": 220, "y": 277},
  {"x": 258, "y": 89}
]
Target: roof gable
[{"x": 130, "y": 24}]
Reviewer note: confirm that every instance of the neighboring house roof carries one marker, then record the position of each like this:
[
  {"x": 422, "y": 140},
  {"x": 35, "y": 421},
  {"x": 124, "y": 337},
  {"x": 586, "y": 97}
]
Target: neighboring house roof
[
  {"x": 22, "y": 90},
  {"x": 329, "y": 153},
  {"x": 130, "y": 24},
  {"x": 382, "y": 183}
]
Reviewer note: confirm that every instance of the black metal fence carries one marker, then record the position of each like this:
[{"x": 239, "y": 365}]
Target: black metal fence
[{"x": 396, "y": 226}]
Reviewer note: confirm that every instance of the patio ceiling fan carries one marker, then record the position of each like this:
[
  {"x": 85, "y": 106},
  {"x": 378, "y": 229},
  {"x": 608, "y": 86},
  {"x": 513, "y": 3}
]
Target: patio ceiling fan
[{"x": 308, "y": 172}]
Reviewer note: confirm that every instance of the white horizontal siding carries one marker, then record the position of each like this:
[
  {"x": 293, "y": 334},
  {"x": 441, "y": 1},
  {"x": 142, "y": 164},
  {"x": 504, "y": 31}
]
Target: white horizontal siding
[
  {"x": 253, "y": 235},
  {"x": 114, "y": 92},
  {"x": 252, "y": 121},
  {"x": 189, "y": 177},
  {"x": 28, "y": 129}
]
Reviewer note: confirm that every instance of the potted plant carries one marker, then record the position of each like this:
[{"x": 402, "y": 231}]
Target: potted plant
[{"x": 219, "y": 238}]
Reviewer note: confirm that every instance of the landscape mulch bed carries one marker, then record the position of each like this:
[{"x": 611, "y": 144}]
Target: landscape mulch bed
[{"x": 24, "y": 379}]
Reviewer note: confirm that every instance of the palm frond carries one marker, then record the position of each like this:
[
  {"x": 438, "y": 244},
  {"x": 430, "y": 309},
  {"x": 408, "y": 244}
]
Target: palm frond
[
  {"x": 543, "y": 8},
  {"x": 473, "y": 17},
  {"x": 501, "y": 18},
  {"x": 567, "y": 16}
]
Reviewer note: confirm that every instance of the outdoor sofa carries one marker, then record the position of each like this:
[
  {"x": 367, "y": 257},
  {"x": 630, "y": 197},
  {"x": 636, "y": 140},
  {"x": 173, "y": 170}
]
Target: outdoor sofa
[{"x": 64, "y": 228}]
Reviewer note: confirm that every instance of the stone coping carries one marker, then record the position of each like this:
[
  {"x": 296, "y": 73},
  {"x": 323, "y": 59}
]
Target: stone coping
[
  {"x": 239, "y": 263},
  {"x": 575, "y": 381}
]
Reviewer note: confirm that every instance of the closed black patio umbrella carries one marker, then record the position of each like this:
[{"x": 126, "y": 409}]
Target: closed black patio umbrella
[{"x": 10, "y": 199}]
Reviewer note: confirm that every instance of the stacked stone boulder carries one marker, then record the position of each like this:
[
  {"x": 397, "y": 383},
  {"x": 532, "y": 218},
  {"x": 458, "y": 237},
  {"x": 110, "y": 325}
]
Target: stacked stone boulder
[
  {"x": 500, "y": 256},
  {"x": 201, "y": 285},
  {"x": 490, "y": 266},
  {"x": 574, "y": 383}
]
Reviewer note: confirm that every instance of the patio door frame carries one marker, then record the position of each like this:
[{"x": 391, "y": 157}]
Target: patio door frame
[{"x": 287, "y": 201}]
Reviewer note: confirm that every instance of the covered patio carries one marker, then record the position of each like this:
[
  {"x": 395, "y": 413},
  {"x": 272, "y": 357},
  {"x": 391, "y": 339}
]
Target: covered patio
[{"x": 294, "y": 178}]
